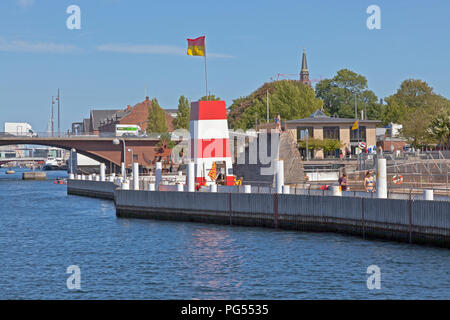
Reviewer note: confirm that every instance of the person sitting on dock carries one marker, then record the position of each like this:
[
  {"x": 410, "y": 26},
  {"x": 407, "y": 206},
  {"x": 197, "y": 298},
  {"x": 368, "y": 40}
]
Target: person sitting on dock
[{"x": 369, "y": 182}]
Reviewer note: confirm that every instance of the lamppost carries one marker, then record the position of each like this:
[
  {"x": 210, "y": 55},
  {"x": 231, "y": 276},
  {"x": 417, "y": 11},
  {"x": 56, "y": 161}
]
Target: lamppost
[
  {"x": 116, "y": 142},
  {"x": 72, "y": 160},
  {"x": 132, "y": 155}
]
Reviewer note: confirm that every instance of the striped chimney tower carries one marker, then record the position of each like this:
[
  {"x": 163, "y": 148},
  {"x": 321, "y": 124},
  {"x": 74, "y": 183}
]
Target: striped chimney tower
[{"x": 209, "y": 139}]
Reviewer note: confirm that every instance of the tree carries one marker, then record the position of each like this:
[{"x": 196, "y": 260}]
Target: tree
[
  {"x": 183, "y": 113},
  {"x": 211, "y": 97},
  {"x": 165, "y": 141},
  {"x": 156, "y": 118},
  {"x": 314, "y": 144},
  {"x": 338, "y": 95},
  {"x": 292, "y": 99},
  {"x": 415, "y": 105},
  {"x": 439, "y": 129},
  {"x": 321, "y": 144},
  {"x": 416, "y": 130},
  {"x": 331, "y": 145},
  {"x": 413, "y": 94}
]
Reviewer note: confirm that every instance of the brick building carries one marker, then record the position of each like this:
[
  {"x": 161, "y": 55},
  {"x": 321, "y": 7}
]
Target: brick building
[
  {"x": 137, "y": 115},
  {"x": 104, "y": 121}
]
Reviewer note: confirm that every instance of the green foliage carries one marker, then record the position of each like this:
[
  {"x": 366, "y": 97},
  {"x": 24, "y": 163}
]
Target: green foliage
[
  {"x": 331, "y": 145},
  {"x": 321, "y": 144},
  {"x": 156, "y": 118},
  {"x": 292, "y": 99},
  {"x": 439, "y": 129},
  {"x": 166, "y": 142},
  {"x": 211, "y": 97},
  {"x": 182, "y": 119},
  {"x": 393, "y": 112},
  {"x": 338, "y": 95},
  {"x": 419, "y": 110}
]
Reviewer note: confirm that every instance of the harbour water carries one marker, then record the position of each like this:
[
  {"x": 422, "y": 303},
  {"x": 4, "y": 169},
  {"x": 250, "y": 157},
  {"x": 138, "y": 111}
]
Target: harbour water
[{"x": 43, "y": 231}]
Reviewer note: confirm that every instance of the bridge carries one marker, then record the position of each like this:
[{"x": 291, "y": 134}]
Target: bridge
[
  {"x": 22, "y": 159},
  {"x": 145, "y": 150}
]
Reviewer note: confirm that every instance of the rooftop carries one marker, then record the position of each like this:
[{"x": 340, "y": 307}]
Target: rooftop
[{"x": 320, "y": 117}]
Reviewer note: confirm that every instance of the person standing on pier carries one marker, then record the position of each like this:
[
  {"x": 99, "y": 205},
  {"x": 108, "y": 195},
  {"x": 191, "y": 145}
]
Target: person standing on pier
[
  {"x": 343, "y": 182},
  {"x": 278, "y": 122},
  {"x": 369, "y": 182}
]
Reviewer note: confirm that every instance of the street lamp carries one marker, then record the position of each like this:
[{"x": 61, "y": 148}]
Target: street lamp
[
  {"x": 116, "y": 142},
  {"x": 72, "y": 160},
  {"x": 132, "y": 155}
]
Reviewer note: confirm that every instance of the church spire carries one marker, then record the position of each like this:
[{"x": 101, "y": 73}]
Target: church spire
[{"x": 304, "y": 72}]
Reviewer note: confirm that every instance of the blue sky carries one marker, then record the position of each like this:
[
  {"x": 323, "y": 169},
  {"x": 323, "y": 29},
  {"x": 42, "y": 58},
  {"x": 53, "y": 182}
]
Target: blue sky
[{"x": 125, "y": 46}]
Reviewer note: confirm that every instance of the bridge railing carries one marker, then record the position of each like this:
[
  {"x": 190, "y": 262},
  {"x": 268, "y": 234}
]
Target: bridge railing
[{"x": 74, "y": 135}]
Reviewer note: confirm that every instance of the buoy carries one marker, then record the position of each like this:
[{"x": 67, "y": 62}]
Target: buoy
[{"x": 397, "y": 179}]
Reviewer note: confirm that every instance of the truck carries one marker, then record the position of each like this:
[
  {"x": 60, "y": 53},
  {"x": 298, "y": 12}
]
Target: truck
[
  {"x": 19, "y": 129},
  {"x": 127, "y": 130}
]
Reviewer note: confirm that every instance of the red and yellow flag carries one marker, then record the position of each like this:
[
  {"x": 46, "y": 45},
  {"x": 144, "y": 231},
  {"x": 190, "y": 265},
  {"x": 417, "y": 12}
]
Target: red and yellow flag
[
  {"x": 213, "y": 172},
  {"x": 196, "y": 47}
]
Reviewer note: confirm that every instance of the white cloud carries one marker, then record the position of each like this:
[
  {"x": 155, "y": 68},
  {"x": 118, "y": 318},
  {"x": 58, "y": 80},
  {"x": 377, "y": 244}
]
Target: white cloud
[
  {"x": 153, "y": 49},
  {"x": 37, "y": 47},
  {"x": 25, "y": 3}
]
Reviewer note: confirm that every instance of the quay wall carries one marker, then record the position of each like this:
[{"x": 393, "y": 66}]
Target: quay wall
[
  {"x": 405, "y": 220},
  {"x": 96, "y": 189}
]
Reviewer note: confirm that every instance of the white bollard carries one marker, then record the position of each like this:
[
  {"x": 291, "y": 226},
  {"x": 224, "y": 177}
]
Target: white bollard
[
  {"x": 428, "y": 194},
  {"x": 97, "y": 178},
  {"x": 286, "y": 189},
  {"x": 247, "y": 188},
  {"x": 71, "y": 176},
  {"x": 151, "y": 187},
  {"x": 279, "y": 177},
  {"x": 111, "y": 178},
  {"x": 83, "y": 177},
  {"x": 381, "y": 179},
  {"x": 336, "y": 191},
  {"x": 158, "y": 174},
  {"x": 102, "y": 172},
  {"x": 213, "y": 187},
  {"x": 125, "y": 185},
  {"x": 123, "y": 170},
  {"x": 191, "y": 176},
  {"x": 135, "y": 176},
  {"x": 89, "y": 177},
  {"x": 180, "y": 187},
  {"x": 78, "y": 176}
]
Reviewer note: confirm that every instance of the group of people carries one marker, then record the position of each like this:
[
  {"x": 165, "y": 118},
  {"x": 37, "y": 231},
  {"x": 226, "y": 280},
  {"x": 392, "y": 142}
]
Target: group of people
[
  {"x": 369, "y": 182},
  {"x": 345, "y": 153}
]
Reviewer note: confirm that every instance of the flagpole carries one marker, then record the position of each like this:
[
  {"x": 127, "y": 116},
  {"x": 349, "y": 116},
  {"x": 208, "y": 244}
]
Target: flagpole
[{"x": 206, "y": 74}]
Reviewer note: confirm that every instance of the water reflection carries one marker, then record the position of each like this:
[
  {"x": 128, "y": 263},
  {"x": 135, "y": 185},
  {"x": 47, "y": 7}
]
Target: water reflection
[{"x": 214, "y": 258}]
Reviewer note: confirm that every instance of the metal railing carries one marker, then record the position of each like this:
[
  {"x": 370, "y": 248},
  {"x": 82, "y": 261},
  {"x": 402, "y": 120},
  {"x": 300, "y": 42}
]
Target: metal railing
[{"x": 38, "y": 135}]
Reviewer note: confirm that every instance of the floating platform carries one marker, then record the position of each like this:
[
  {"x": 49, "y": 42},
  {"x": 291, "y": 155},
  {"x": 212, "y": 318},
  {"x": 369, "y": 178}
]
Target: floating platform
[{"x": 38, "y": 175}]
